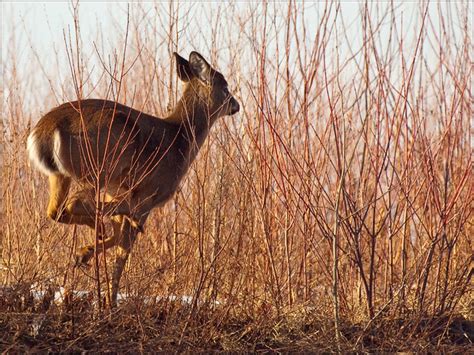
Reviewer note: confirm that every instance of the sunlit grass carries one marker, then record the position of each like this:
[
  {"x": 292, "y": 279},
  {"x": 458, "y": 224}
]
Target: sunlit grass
[{"x": 341, "y": 194}]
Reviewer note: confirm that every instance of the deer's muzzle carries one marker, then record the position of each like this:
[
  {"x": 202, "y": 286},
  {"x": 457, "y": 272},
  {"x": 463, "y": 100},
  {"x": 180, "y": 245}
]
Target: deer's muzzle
[{"x": 234, "y": 106}]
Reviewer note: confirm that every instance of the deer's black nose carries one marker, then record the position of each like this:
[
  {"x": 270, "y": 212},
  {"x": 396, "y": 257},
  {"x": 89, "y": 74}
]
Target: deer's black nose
[{"x": 234, "y": 106}]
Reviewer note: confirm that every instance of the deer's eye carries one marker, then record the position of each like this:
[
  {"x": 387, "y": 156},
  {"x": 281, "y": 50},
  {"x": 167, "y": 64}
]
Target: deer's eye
[{"x": 225, "y": 90}]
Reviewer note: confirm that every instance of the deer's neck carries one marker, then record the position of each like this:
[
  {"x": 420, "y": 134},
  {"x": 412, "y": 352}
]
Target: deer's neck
[{"x": 192, "y": 114}]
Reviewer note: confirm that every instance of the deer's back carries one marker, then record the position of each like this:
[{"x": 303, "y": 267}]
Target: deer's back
[
  {"x": 129, "y": 147},
  {"x": 90, "y": 114}
]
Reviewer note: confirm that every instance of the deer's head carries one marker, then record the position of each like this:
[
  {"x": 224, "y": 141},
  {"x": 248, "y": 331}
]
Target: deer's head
[{"x": 207, "y": 84}]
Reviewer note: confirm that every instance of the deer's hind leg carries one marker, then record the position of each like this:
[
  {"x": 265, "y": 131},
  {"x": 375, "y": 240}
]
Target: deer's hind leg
[
  {"x": 61, "y": 208},
  {"x": 80, "y": 207}
]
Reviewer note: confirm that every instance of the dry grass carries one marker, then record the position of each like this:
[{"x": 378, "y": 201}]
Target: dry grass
[
  {"x": 340, "y": 198},
  {"x": 167, "y": 326}
]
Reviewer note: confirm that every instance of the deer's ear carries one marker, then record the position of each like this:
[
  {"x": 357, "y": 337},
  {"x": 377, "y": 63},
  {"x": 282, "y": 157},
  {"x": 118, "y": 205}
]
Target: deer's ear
[
  {"x": 200, "y": 67},
  {"x": 183, "y": 69}
]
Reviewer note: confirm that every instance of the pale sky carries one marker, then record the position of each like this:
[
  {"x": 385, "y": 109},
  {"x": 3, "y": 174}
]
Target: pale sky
[
  {"x": 39, "y": 29},
  {"x": 44, "y": 23}
]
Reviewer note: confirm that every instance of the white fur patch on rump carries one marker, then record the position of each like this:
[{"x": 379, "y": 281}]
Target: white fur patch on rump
[
  {"x": 46, "y": 155},
  {"x": 57, "y": 152},
  {"x": 36, "y": 155}
]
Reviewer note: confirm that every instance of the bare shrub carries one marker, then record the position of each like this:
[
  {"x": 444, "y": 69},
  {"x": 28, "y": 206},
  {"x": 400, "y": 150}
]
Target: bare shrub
[{"x": 341, "y": 195}]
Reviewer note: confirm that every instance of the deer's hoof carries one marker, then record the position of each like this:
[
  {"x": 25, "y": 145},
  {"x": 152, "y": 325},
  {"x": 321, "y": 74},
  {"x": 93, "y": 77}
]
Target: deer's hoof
[
  {"x": 135, "y": 224},
  {"x": 83, "y": 256}
]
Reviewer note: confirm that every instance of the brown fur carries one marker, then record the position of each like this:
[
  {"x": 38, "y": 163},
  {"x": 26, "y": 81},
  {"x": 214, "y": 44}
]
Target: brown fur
[{"x": 137, "y": 159}]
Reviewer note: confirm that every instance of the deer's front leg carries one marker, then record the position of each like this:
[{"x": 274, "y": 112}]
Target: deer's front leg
[
  {"x": 125, "y": 243},
  {"x": 87, "y": 252}
]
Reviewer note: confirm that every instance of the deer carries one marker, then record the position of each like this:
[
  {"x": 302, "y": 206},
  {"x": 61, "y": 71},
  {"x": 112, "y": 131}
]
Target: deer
[{"x": 134, "y": 160}]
